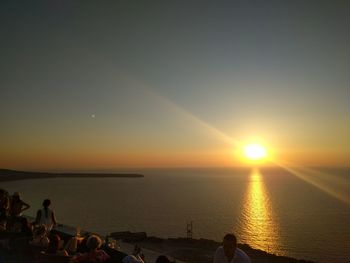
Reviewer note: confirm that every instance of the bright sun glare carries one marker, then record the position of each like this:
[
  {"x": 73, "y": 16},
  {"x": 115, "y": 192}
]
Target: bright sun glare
[{"x": 255, "y": 152}]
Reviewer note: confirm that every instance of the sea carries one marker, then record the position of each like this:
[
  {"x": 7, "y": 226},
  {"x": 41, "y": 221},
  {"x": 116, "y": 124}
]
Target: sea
[{"x": 301, "y": 213}]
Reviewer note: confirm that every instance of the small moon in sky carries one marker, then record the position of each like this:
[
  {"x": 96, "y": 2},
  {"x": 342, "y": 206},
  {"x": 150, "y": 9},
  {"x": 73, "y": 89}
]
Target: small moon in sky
[{"x": 93, "y": 115}]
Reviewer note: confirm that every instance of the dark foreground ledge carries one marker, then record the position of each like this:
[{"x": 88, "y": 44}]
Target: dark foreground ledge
[
  {"x": 196, "y": 250},
  {"x": 12, "y": 175}
]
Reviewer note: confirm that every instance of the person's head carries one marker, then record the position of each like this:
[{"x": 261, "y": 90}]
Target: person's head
[
  {"x": 46, "y": 203},
  {"x": 229, "y": 244},
  {"x": 93, "y": 242}
]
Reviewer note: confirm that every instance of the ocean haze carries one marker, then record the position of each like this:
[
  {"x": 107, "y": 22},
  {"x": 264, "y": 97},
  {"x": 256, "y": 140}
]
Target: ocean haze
[{"x": 268, "y": 209}]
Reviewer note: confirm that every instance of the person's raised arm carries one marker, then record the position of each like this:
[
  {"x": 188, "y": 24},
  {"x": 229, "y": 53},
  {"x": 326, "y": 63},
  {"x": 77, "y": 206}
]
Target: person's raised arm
[{"x": 25, "y": 206}]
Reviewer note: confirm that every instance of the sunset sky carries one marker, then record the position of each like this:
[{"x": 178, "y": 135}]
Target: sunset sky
[{"x": 101, "y": 85}]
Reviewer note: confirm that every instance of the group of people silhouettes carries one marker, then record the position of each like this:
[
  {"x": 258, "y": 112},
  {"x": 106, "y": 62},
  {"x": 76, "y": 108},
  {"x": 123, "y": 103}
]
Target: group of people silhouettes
[
  {"x": 82, "y": 249},
  {"x": 41, "y": 233},
  {"x": 12, "y": 207}
]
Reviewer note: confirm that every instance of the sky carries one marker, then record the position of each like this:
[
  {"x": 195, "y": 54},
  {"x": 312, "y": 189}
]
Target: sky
[{"x": 113, "y": 84}]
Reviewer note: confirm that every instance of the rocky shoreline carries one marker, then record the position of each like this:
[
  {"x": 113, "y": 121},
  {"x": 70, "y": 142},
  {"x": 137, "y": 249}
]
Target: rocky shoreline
[
  {"x": 196, "y": 250},
  {"x": 13, "y": 175}
]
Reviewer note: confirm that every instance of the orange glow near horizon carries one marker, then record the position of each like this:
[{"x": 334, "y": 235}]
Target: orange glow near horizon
[
  {"x": 64, "y": 146},
  {"x": 100, "y": 160},
  {"x": 89, "y": 159}
]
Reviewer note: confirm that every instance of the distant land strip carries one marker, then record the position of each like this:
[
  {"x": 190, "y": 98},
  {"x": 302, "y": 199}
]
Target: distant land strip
[{"x": 12, "y": 175}]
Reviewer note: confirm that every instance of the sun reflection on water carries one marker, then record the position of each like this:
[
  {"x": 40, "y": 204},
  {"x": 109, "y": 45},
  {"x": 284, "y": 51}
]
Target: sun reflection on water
[{"x": 257, "y": 226}]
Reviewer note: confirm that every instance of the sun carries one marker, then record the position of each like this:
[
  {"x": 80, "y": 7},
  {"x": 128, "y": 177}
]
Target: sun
[{"x": 255, "y": 152}]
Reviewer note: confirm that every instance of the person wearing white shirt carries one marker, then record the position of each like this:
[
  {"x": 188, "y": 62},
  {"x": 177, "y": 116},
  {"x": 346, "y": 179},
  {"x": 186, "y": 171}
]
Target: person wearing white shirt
[{"x": 229, "y": 252}]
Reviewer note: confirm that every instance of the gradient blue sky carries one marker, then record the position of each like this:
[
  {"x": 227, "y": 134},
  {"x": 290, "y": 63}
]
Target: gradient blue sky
[{"x": 92, "y": 84}]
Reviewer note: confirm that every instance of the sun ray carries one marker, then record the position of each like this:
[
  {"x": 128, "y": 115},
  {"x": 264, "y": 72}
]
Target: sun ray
[
  {"x": 324, "y": 181},
  {"x": 329, "y": 184}
]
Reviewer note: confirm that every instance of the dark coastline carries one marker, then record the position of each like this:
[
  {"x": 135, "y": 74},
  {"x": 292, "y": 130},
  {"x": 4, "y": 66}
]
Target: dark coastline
[
  {"x": 196, "y": 250},
  {"x": 13, "y": 175}
]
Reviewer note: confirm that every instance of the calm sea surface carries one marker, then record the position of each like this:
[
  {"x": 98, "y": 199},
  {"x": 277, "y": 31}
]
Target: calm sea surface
[{"x": 272, "y": 209}]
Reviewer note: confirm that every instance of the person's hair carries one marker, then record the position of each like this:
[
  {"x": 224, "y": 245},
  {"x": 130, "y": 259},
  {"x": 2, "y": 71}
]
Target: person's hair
[
  {"x": 46, "y": 204},
  {"x": 54, "y": 243},
  {"x": 93, "y": 242},
  {"x": 230, "y": 237}
]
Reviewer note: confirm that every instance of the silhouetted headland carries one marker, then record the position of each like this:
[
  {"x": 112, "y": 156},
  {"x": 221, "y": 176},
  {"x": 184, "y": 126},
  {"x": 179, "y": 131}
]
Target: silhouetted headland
[
  {"x": 196, "y": 250},
  {"x": 12, "y": 175}
]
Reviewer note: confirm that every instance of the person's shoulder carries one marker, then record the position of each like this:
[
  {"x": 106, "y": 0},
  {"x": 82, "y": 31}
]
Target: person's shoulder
[
  {"x": 220, "y": 248},
  {"x": 242, "y": 256},
  {"x": 219, "y": 255},
  {"x": 240, "y": 251},
  {"x": 219, "y": 251}
]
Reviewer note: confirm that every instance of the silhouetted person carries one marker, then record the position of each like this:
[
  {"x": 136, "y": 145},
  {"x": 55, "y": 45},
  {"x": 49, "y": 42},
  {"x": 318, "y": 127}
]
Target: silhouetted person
[
  {"x": 229, "y": 252},
  {"x": 17, "y": 205},
  {"x": 4, "y": 204},
  {"x": 95, "y": 254},
  {"x": 46, "y": 216}
]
